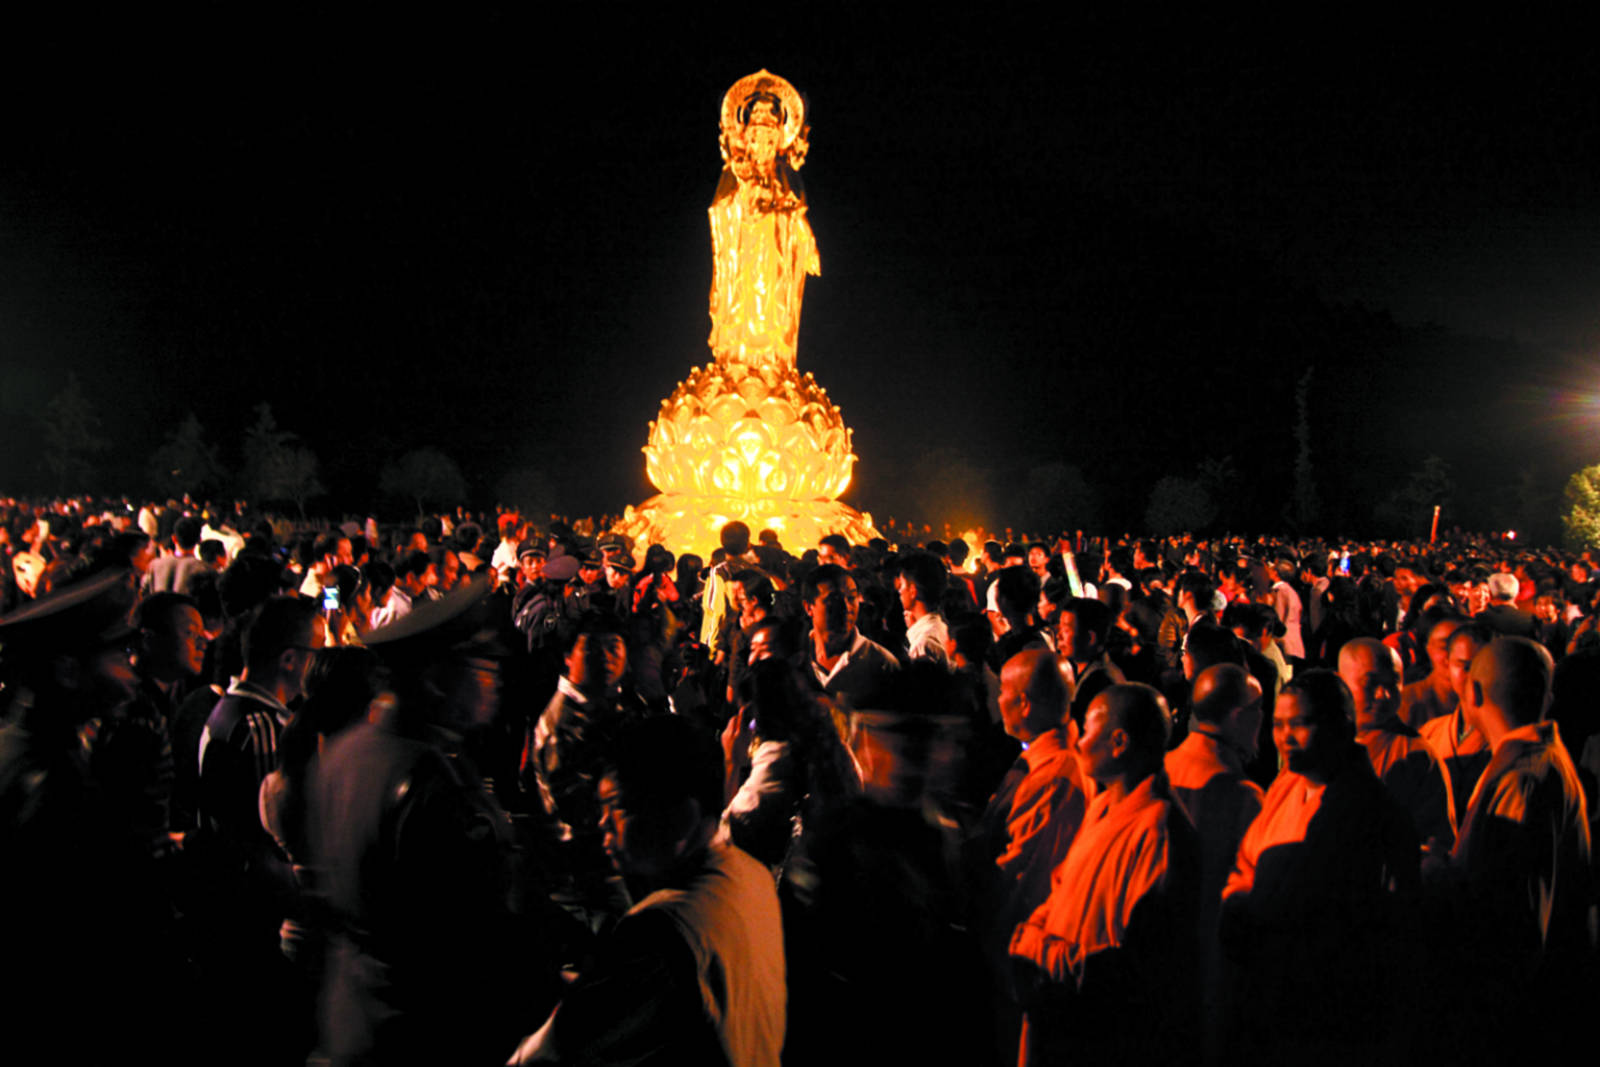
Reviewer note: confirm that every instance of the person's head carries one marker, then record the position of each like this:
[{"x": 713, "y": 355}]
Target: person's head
[
  {"x": 1038, "y": 558},
  {"x": 1409, "y": 576},
  {"x": 1549, "y": 606},
  {"x": 324, "y": 552},
  {"x": 415, "y": 572},
  {"x": 380, "y": 580},
  {"x": 660, "y": 795},
  {"x": 834, "y": 549},
  {"x": 1227, "y": 702},
  {"x": 957, "y": 553},
  {"x": 1477, "y": 594},
  {"x": 1313, "y": 723},
  {"x": 969, "y": 638},
  {"x": 1371, "y": 669},
  {"x": 766, "y": 641},
  {"x": 1502, "y": 587},
  {"x": 734, "y": 538},
  {"x": 1124, "y": 734},
  {"x": 1439, "y": 635},
  {"x": 1033, "y": 694},
  {"x": 1463, "y": 648},
  {"x": 1017, "y": 594},
  {"x": 1081, "y": 628},
  {"x": 531, "y": 556},
  {"x": 280, "y": 639},
  {"x": 1194, "y": 592},
  {"x": 1509, "y": 686},
  {"x": 446, "y": 569},
  {"x": 1254, "y": 624},
  {"x": 340, "y": 687},
  {"x": 619, "y": 572},
  {"x": 213, "y": 553},
  {"x": 597, "y": 659},
  {"x": 69, "y": 650},
  {"x": 832, "y": 602},
  {"x": 688, "y": 575},
  {"x": 172, "y": 637},
  {"x": 658, "y": 559},
  {"x": 756, "y": 593},
  {"x": 186, "y": 533},
  {"x": 1206, "y": 646},
  {"x": 354, "y": 594},
  {"x": 922, "y": 579}
]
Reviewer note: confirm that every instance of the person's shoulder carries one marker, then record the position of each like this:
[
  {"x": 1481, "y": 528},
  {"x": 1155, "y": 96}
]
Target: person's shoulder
[
  {"x": 230, "y": 709},
  {"x": 883, "y": 657}
]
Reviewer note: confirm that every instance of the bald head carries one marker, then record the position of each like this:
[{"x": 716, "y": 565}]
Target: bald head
[
  {"x": 1033, "y": 693},
  {"x": 1141, "y": 712},
  {"x": 1227, "y": 704},
  {"x": 1372, "y": 671},
  {"x": 1512, "y": 675},
  {"x": 1220, "y": 689}
]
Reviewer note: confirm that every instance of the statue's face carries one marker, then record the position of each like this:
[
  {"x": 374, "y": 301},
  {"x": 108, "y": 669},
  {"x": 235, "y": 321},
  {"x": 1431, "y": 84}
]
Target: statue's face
[{"x": 763, "y": 133}]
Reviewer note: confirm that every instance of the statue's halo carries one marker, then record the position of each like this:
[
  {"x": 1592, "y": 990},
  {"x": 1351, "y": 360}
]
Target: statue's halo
[{"x": 794, "y": 108}]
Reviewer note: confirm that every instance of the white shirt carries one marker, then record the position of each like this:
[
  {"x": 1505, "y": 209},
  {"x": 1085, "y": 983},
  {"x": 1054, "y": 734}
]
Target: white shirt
[
  {"x": 925, "y": 639},
  {"x": 824, "y": 677}
]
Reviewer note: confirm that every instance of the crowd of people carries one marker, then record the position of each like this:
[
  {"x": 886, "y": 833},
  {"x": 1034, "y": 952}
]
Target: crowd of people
[{"x": 491, "y": 791}]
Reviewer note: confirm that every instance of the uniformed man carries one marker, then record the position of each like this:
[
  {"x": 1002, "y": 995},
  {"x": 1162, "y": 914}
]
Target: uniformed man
[
  {"x": 77, "y": 892},
  {"x": 440, "y": 956}
]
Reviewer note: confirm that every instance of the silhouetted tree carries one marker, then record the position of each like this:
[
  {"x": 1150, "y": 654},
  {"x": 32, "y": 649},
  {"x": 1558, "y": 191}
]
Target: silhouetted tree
[
  {"x": 72, "y": 438},
  {"x": 1178, "y": 504},
  {"x": 185, "y": 463},
  {"x": 276, "y": 468},
  {"x": 423, "y": 476}
]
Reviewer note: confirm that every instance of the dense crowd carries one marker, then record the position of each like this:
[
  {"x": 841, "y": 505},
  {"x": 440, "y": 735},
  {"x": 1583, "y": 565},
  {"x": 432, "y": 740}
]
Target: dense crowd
[{"x": 485, "y": 790}]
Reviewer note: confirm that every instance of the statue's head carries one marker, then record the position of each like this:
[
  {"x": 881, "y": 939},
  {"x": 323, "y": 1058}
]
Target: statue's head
[
  {"x": 761, "y": 108},
  {"x": 763, "y": 119}
]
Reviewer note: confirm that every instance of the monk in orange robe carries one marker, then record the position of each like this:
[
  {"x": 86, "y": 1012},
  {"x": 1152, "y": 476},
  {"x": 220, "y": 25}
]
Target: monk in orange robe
[
  {"x": 1432, "y": 697},
  {"x": 1524, "y": 859},
  {"x": 1208, "y": 778},
  {"x": 1311, "y": 912},
  {"x": 1107, "y": 962},
  {"x": 1460, "y": 746},
  {"x": 1401, "y": 758}
]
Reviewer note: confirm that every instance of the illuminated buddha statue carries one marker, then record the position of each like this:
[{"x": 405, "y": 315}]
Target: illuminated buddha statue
[
  {"x": 748, "y": 436},
  {"x": 762, "y": 246}
]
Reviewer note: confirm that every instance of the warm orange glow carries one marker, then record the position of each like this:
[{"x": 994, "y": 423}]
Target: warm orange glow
[{"x": 748, "y": 436}]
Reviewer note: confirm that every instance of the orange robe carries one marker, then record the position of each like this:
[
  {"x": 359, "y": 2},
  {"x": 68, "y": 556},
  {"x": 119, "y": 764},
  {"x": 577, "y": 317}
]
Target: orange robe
[
  {"x": 1525, "y": 856},
  {"x": 1419, "y": 703},
  {"x": 1117, "y": 933},
  {"x": 1046, "y": 812},
  {"x": 1310, "y": 913},
  {"x": 1461, "y": 750},
  {"x": 1208, "y": 780},
  {"x": 1412, "y": 774}
]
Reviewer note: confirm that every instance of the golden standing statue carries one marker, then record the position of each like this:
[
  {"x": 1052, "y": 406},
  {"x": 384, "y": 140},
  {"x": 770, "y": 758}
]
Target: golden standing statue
[
  {"x": 748, "y": 437},
  {"x": 761, "y": 243}
]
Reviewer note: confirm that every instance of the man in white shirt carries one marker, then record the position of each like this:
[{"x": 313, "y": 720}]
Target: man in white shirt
[{"x": 921, "y": 584}]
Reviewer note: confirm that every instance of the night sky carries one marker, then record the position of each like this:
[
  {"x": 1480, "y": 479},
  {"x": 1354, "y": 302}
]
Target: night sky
[{"x": 1104, "y": 247}]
